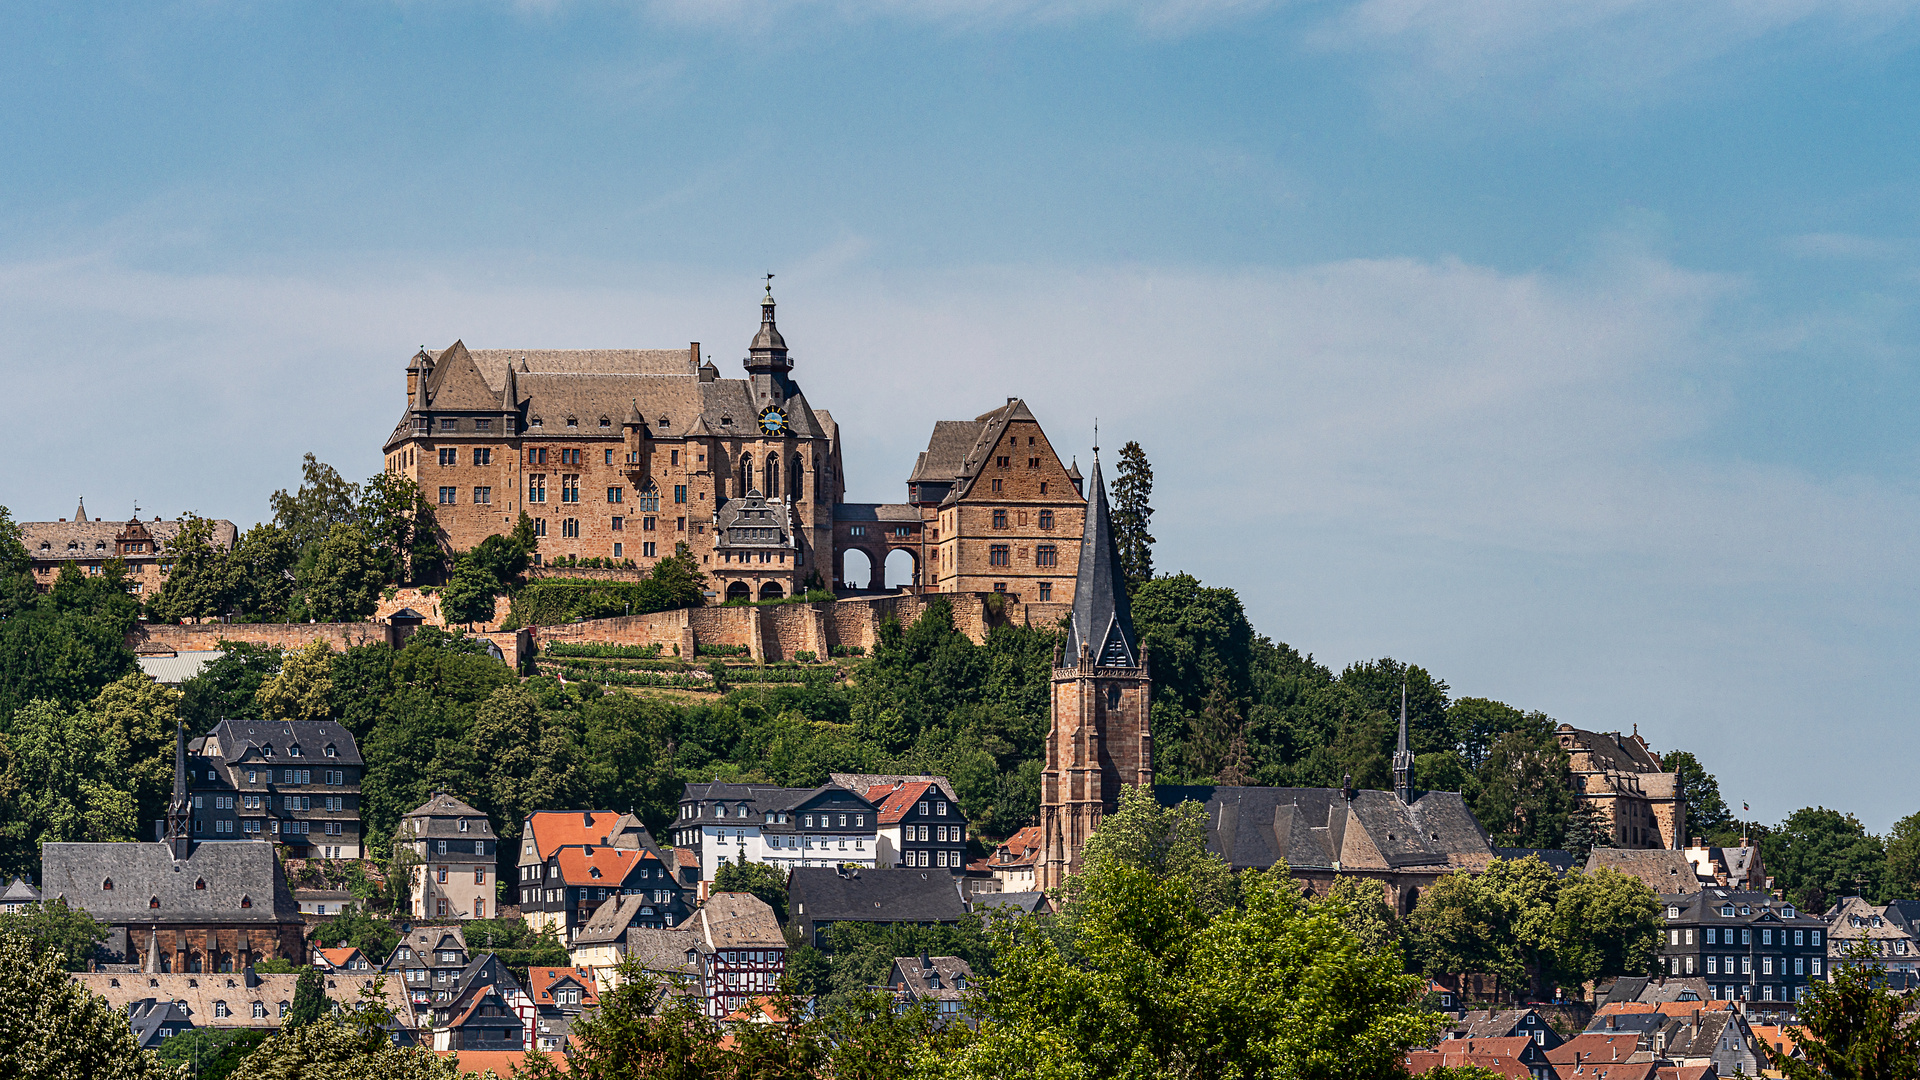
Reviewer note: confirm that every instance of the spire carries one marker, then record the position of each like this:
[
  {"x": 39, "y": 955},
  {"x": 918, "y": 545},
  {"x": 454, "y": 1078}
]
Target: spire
[
  {"x": 179, "y": 811},
  {"x": 81, "y": 514},
  {"x": 510, "y": 393},
  {"x": 1402, "y": 759},
  {"x": 1102, "y": 623},
  {"x": 768, "y": 353}
]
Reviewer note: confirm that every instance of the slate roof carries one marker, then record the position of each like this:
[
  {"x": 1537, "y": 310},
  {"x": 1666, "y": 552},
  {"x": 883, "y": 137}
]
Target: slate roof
[
  {"x": 425, "y": 941},
  {"x": 867, "y": 781},
  {"x": 737, "y": 920},
  {"x": 1612, "y": 750},
  {"x": 664, "y": 950},
  {"x": 19, "y": 892},
  {"x": 1025, "y": 902},
  {"x": 148, "y": 1015},
  {"x": 609, "y": 921},
  {"x": 1102, "y": 620},
  {"x": 232, "y": 871},
  {"x": 825, "y": 894},
  {"x": 931, "y": 978},
  {"x": 1665, "y": 871},
  {"x": 1022, "y": 849},
  {"x": 1310, "y": 827},
  {"x": 1561, "y": 861},
  {"x": 239, "y": 740},
  {"x": 94, "y": 539},
  {"x": 1595, "y": 1047},
  {"x": 876, "y": 512},
  {"x": 440, "y": 816}
]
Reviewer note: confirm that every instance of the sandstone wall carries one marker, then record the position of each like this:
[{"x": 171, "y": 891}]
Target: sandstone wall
[{"x": 200, "y": 636}]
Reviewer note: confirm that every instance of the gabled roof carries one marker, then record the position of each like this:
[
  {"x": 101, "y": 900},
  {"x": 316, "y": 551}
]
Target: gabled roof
[
  {"x": 1316, "y": 827},
  {"x": 243, "y": 882},
  {"x": 1665, "y": 871},
  {"x": 665, "y": 950},
  {"x": 611, "y": 920},
  {"x": 18, "y": 891},
  {"x": 895, "y": 802},
  {"x": 918, "y": 976},
  {"x": 1022, "y": 849},
  {"x": 737, "y": 920},
  {"x": 542, "y": 981},
  {"x": 444, "y": 805},
  {"x": 1421, "y": 1062},
  {"x": 240, "y": 739},
  {"x": 551, "y": 830},
  {"x": 340, "y": 957},
  {"x": 1595, "y": 1047}
]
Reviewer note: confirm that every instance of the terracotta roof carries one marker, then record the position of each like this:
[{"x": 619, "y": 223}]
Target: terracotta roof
[
  {"x": 760, "y": 1010},
  {"x": 502, "y": 1062},
  {"x": 1776, "y": 1039},
  {"x": 1595, "y": 1047},
  {"x": 541, "y": 981},
  {"x": 1021, "y": 849},
  {"x": 1688, "y": 1072},
  {"x": 555, "y": 829},
  {"x": 1456, "y": 1053},
  {"x": 894, "y": 802},
  {"x": 578, "y": 865},
  {"x": 1606, "y": 1070},
  {"x": 340, "y": 957}
]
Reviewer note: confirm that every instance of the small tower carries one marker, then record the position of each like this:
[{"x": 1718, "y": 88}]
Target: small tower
[
  {"x": 767, "y": 363},
  {"x": 1402, "y": 758},
  {"x": 180, "y": 809},
  {"x": 1101, "y": 739}
]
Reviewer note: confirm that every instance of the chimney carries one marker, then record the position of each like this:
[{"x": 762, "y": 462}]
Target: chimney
[{"x": 694, "y": 348}]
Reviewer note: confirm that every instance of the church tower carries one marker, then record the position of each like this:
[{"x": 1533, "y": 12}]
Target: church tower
[{"x": 1100, "y": 740}]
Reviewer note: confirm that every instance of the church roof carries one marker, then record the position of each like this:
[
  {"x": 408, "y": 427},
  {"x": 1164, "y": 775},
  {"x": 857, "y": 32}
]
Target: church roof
[
  {"x": 1102, "y": 622},
  {"x": 1318, "y": 827},
  {"x": 229, "y": 881}
]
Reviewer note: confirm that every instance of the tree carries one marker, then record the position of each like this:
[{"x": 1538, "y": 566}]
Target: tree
[
  {"x": 67, "y": 935},
  {"x": 1605, "y": 925},
  {"x": 229, "y": 687},
  {"x": 1133, "y": 513},
  {"x": 68, "y": 644},
  {"x": 210, "y": 1053},
  {"x": 470, "y": 593},
  {"x": 1145, "y": 983},
  {"x": 303, "y": 689},
  {"x": 324, "y": 502},
  {"x": 760, "y": 879},
  {"x": 389, "y": 509},
  {"x": 1707, "y": 814},
  {"x": 1526, "y": 787},
  {"x": 1166, "y": 841},
  {"x": 261, "y": 576},
  {"x": 375, "y": 938},
  {"x": 52, "y": 1027},
  {"x": 1587, "y": 828},
  {"x": 342, "y": 581},
  {"x": 1903, "y": 859},
  {"x": 1819, "y": 855},
  {"x": 1361, "y": 906},
  {"x": 353, "y": 1044},
  {"x": 1853, "y": 1028},
  {"x": 309, "y": 1001},
  {"x": 63, "y": 765},
  {"x": 137, "y": 717},
  {"x": 200, "y": 583}
]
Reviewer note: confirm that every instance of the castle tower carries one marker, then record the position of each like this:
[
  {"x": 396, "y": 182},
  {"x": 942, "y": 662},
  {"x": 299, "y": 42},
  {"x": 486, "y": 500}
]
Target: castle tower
[{"x": 1100, "y": 739}]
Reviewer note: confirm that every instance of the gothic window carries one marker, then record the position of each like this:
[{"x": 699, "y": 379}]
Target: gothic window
[
  {"x": 746, "y": 473},
  {"x": 772, "y": 473},
  {"x": 107, "y": 885},
  {"x": 798, "y": 480},
  {"x": 153, "y": 901},
  {"x": 200, "y": 885}
]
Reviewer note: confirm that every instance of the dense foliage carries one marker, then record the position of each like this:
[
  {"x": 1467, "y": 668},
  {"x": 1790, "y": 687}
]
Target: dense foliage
[{"x": 52, "y": 1027}]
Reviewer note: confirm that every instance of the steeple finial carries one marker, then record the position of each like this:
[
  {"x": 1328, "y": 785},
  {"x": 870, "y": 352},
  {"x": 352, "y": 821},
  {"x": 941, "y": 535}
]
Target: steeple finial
[
  {"x": 768, "y": 353},
  {"x": 1402, "y": 759},
  {"x": 1102, "y": 622},
  {"x": 81, "y": 514}
]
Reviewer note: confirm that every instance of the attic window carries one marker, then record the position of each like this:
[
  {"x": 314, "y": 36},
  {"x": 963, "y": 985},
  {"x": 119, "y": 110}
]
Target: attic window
[
  {"x": 107, "y": 885},
  {"x": 44, "y": 545},
  {"x": 573, "y": 421},
  {"x": 153, "y": 901},
  {"x": 605, "y": 423},
  {"x": 246, "y": 901},
  {"x": 294, "y": 750},
  {"x": 331, "y": 751},
  {"x": 448, "y": 423},
  {"x": 533, "y": 422},
  {"x": 663, "y": 422},
  {"x": 266, "y": 750},
  {"x": 1787, "y": 912},
  {"x": 593, "y": 871},
  {"x": 99, "y": 545},
  {"x": 726, "y": 420},
  {"x": 200, "y": 885}
]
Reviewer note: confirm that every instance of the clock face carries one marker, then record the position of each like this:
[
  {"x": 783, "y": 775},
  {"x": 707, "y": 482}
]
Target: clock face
[{"x": 773, "y": 421}]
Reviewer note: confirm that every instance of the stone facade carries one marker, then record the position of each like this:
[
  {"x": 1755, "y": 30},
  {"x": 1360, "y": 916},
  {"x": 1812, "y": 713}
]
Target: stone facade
[
  {"x": 1619, "y": 775},
  {"x": 295, "y": 784},
  {"x": 453, "y": 855},
  {"x": 89, "y": 544},
  {"x": 623, "y": 454}
]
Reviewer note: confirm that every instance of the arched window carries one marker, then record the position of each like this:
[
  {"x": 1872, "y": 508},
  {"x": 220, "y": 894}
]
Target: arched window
[
  {"x": 746, "y": 473},
  {"x": 772, "y": 490},
  {"x": 246, "y": 901},
  {"x": 797, "y": 483}
]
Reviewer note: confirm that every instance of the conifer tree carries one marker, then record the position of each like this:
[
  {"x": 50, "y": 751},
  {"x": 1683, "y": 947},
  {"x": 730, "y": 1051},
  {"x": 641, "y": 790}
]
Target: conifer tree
[{"x": 1132, "y": 491}]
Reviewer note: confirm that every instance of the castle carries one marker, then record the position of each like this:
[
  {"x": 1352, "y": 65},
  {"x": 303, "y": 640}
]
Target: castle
[{"x": 625, "y": 454}]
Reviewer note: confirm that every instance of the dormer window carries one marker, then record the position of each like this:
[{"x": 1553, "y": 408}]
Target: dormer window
[
  {"x": 200, "y": 885},
  {"x": 73, "y": 545},
  {"x": 1673, "y": 912},
  {"x": 605, "y": 423},
  {"x": 463, "y": 824},
  {"x": 593, "y": 871},
  {"x": 294, "y": 750},
  {"x": 107, "y": 885},
  {"x": 662, "y": 423},
  {"x": 331, "y": 751},
  {"x": 1745, "y": 910},
  {"x": 533, "y": 422},
  {"x": 1727, "y": 911},
  {"x": 45, "y": 546},
  {"x": 1787, "y": 912},
  {"x": 573, "y": 421},
  {"x": 246, "y": 901},
  {"x": 726, "y": 420},
  {"x": 153, "y": 901},
  {"x": 266, "y": 750}
]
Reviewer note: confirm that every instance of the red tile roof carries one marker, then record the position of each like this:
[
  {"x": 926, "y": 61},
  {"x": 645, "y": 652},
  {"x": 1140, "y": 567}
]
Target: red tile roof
[
  {"x": 1592, "y": 1047},
  {"x": 1021, "y": 849},
  {"x": 1777, "y": 1040},
  {"x": 895, "y": 801},
  {"x": 502, "y": 1062},
  {"x": 540, "y": 982},
  {"x": 1606, "y": 1070},
  {"x": 554, "y": 829},
  {"x": 338, "y": 958},
  {"x": 577, "y": 864},
  {"x": 1455, "y": 1053}
]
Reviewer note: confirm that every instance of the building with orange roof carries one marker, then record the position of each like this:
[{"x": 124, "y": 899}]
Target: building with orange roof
[
  {"x": 1688, "y": 1072},
  {"x": 1777, "y": 1041},
  {"x": 1517, "y": 1057},
  {"x": 571, "y": 862},
  {"x": 345, "y": 958},
  {"x": 1012, "y": 863},
  {"x": 920, "y": 824},
  {"x": 502, "y": 1063},
  {"x": 553, "y": 999}
]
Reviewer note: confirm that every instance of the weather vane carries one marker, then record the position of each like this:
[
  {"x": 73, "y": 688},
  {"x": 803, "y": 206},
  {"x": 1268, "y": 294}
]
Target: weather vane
[{"x": 769, "y": 284}]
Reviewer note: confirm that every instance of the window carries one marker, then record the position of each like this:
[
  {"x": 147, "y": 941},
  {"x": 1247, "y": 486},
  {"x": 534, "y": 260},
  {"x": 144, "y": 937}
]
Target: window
[
  {"x": 259, "y": 1010},
  {"x": 1766, "y": 935},
  {"x": 1815, "y": 966},
  {"x": 1787, "y": 912},
  {"x": 1713, "y": 965},
  {"x": 537, "y": 488},
  {"x": 618, "y": 524},
  {"x": 481, "y": 454},
  {"x": 220, "y": 1009},
  {"x": 996, "y": 486},
  {"x": 443, "y": 849},
  {"x": 1673, "y": 913},
  {"x": 997, "y": 556},
  {"x": 570, "y": 527},
  {"x": 616, "y": 494},
  {"x": 1046, "y": 555},
  {"x": 1815, "y": 941},
  {"x": 536, "y": 456},
  {"x": 479, "y": 875},
  {"x": 679, "y": 492},
  {"x": 1046, "y": 591},
  {"x": 107, "y": 885},
  {"x": 679, "y": 524},
  {"x": 1799, "y": 965},
  {"x": 569, "y": 488},
  {"x": 646, "y": 524},
  {"x": 1799, "y": 937},
  {"x": 1746, "y": 936},
  {"x": 646, "y": 549},
  {"x": 447, "y": 496},
  {"x": 539, "y": 528},
  {"x": 449, "y": 456},
  {"x": 482, "y": 495},
  {"x": 999, "y": 519},
  {"x": 618, "y": 551}
]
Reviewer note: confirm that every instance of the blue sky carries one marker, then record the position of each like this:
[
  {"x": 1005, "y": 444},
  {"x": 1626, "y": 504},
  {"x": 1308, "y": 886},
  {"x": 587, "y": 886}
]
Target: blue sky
[{"x": 1564, "y": 347}]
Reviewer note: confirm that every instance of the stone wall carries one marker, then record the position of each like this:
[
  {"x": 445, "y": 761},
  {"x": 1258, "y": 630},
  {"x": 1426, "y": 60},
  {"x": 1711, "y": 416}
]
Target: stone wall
[{"x": 193, "y": 637}]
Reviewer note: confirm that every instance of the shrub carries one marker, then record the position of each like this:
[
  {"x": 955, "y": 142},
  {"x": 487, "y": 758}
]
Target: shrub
[
  {"x": 722, "y": 650},
  {"x": 621, "y": 652},
  {"x": 805, "y": 656},
  {"x": 848, "y": 650}
]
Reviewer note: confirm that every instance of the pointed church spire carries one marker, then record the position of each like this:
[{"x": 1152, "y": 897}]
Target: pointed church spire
[
  {"x": 179, "y": 811},
  {"x": 1102, "y": 621},
  {"x": 1402, "y": 759}
]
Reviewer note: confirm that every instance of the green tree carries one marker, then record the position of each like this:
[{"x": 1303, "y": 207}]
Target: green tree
[
  {"x": 1902, "y": 880},
  {"x": 1707, "y": 813},
  {"x": 389, "y": 507},
  {"x": 1146, "y": 984},
  {"x": 1587, "y": 828},
  {"x": 229, "y": 687},
  {"x": 1526, "y": 787},
  {"x": 63, "y": 765},
  {"x": 353, "y": 1044},
  {"x": 309, "y": 1001},
  {"x": 210, "y": 1053},
  {"x": 470, "y": 593},
  {"x": 52, "y": 1028},
  {"x": 374, "y": 937},
  {"x": 1605, "y": 925},
  {"x": 137, "y": 716},
  {"x": 1819, "y": 855},
  {"x": 341, "y": 582},
  {"x": 1133, "y": 513},
  {"x": 1361, "y": 906},
  {"x": 67, "y": 645},
  {"x": 1853, "y": 1028},
  {"x": 760, "y": 879},
  {"x": 51, "y": 929},
  {"x": 1498, "y": 923},
  {"x": 200, "y": 584},
  {"x": 325, "y": 501},
  {"x": 261, "y": 565},
  {"x": 303, "y": 688},
  {"x": 1166, "y": 841}
]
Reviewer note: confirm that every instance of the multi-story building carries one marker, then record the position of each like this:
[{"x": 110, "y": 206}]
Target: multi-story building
[
  {"x": 572, "y": 862},
  {"x": 1012, "y": 863},
  {"x": 920, "y": 823},
  {"x": 88, "y": 545},
  {"x": 999, "y": 510},
  {"x": 1887, "y": 930},
  {"x": 428, "y": 961},
  {"x": 624, "y": 453},
  {"x": 449, "y": 850},
  {"x": 784, "y": 827},
  {"x": 1729, "y": 867},
  {"x": 1748, "y": 946},
  {"x": 292, "y": 783},
  {"x": 742, "y": 952},
  {"x": 177, "y": 905},
  {"x": 1622, "y": 778},
  {"x": 477, "y": 1014}
]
